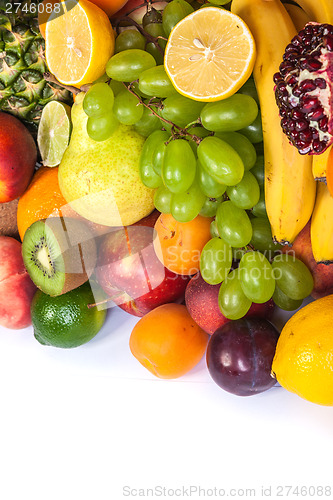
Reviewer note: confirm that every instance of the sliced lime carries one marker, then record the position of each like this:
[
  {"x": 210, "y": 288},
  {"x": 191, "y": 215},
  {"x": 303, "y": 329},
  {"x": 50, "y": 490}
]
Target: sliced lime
[{"x": 54, "y": 132}]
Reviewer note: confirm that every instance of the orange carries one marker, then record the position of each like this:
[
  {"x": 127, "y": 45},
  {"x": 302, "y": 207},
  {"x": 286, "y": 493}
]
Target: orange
[
  {"x": 110, "y": 6},
  {"x": 42, "y": 199},
  {"x": 178, "y": 245},
  {"x": 210, "y": 54},
  {"x": 78, "y": 43},
  {"x": 168, "y": 342}
]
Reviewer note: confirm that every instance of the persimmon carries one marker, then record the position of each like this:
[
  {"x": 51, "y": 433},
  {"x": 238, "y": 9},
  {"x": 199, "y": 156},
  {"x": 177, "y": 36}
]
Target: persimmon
[
  {"x": 168, "y": 342},
  {"x": 178, "y": 245}
]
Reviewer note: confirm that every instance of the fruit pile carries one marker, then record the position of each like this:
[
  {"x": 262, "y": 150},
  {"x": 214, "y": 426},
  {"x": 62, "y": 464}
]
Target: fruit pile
[{"x": 165, "y": 179}]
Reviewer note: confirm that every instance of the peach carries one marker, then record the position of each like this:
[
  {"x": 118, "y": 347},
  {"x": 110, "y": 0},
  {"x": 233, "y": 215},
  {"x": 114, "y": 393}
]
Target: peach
[
  {"x": 322, "y": 273},
  {"x": 16, "y": 287},
  {"x": 18, "y": 156}
]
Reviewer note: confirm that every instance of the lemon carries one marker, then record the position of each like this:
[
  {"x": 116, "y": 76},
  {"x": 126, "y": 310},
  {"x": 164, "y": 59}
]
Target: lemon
[
  {"x": 210, "y": 54},
  {"x": 53, "y": 132},
  {"x": 78, "y": 43},
  {"x": 303, "y": 361}
]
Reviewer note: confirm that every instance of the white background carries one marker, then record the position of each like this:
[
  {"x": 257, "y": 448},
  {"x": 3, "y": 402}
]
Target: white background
[{"x": 83, "y": 423}]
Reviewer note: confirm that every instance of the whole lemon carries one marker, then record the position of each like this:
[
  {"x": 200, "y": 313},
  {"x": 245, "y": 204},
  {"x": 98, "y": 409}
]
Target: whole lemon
[{"x": 303, "y": 361}]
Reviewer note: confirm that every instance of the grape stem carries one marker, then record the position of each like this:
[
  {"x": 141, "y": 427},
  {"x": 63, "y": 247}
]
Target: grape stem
[
  {"x": 148, "y": 36},
  {"x": 49, "y": 77}
]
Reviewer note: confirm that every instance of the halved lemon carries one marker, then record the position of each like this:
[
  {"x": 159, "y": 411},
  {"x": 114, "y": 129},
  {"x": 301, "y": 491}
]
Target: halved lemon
[
  {"x": 78, "y": 43},
  {"x": 209, "y": 54}
]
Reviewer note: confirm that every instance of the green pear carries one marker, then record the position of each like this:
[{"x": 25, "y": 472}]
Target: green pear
[{"x": 100, "y": 180}]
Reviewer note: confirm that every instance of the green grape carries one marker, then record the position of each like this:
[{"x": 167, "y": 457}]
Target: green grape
[
  {"x": 210, "y": 206},
  {"x": 130, "y": 39},
  {"x": 127, "y": 65},
  {"x": 174, "y": 12},
  {"x": 257, "y": 277},
  {"x": 185, "y": 206},
  {"x": 259, "y": 210},
  {"x": 292, "y": 276},
  {"x": 262, "y": 235},
  {"x": 155, "y": 52},
  {"x": 127, "y": 108},
  {"x": 156, "y": 29},
  {"x": 259, "y": 170},
  {"x": 249, "y": 88},
  {"x": 155, "y": 82},
  {"x": 162, "y": 200},
  {"x": 233, "y": 224},
  {"x": 158, "y": 157},
  {"x": 219, "y": 2},
  {"x": 181, "y": 110},
  {"x": 254, "y": 131},
  {"x": 215, "y": 261},
  {"x": 147, "y": 123},
  {"x": 208, "y": 185},
  {"x": 246, "y": 193},
  {"x": 102, "y": 127},
  {"x": 233, "y": 302},
  {"x": 229, "y": 115},
  {"x": 238, "y": 253},
  {"x": 259, "y": 148},
  {"x": 196, "y": 132},
  {"x": 135, "y": 88},
  {"x": 152, "y": 16},
  {"x": 147, "y": 174},
  {"x": 220, "y": 161},
  {"x": 116, "y": 86},
  {"x": 179, "y": 166},
  {"x": 241, "y": 145},
  {"x": 102, "y": 79},
  {"x": 284, "y": 302},
  {"x": 99, "y": 100},
  {"x": 213, "y": 229}
]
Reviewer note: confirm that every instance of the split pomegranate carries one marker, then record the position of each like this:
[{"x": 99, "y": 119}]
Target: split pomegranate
[{"x": 304, "y": 87}]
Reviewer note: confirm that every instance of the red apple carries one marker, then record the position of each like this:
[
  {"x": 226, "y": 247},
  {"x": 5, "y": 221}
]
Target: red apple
[
  {"x": 322, "y": 273},
  {"x": 129, "y": 272},
  {"x": 202, "y": 303},
  {"x": 18, "y": 156}
]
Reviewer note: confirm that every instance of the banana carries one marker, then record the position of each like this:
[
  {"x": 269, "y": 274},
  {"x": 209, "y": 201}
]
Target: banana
[
  {"x": 289, "y": 185},
  {"x": 319, "y": 165},
  {"x": 320, "y": 11},
  {"x": 322, "y": 226},
  {"x": 298, "y": 16}
]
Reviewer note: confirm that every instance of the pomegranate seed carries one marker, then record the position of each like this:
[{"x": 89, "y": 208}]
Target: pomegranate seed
[
  {"x": 305, "y": 135},
  {"x": 313, "y": 65},
  {"x": 293, "y": 134},
  {"x": 301, "y": 125},
  {"x": 291, "y": 80},
  {"x": 277, "y": 78},
  {"x": 309, "y": 103},
  {"x": 296, "y": 114},
  {"x": 320, "y": 83},
  {"x": 328, "y": 42},
  {"x": 318, "y": 146},
  {"x": 323, "y": 124},
  {"x": 307, "y": 85},
  {"x": 297, "y": 92},
  {"x": 317, "y": 114}
]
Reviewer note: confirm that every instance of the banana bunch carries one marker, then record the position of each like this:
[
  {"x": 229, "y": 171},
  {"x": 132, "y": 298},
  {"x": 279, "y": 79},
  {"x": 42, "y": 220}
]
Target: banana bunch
[
  {"x": 320, "y": 11},
  {"x": 290, "y": 188}
]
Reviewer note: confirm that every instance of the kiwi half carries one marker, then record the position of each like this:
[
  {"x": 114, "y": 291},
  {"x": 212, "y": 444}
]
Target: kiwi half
[{"x": 59, "y": 254}]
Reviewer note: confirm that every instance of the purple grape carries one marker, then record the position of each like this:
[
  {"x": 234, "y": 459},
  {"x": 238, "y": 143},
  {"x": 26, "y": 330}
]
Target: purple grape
[{"x": 240, "y": 355}]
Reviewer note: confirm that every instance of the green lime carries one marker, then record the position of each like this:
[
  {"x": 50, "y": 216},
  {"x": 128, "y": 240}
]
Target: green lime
[
  {"x": 66, "y": 321},
  {"x": 53, "y": 132}
]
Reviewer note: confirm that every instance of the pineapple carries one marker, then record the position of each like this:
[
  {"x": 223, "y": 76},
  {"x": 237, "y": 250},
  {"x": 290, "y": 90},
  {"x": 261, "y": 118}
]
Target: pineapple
[{"x": 23, "y": 90}]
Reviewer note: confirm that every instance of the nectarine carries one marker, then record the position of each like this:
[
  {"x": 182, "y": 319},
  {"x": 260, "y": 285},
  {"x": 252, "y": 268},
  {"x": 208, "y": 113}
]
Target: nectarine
[{"x": 18, "y": 156}]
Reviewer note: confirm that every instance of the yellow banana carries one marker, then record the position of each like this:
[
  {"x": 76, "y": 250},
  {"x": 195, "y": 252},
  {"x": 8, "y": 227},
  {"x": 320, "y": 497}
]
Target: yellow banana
[
  {"x": 289, "y": 185},
  {"x": 319, "y": 165},
  {"x": 298, "y": 16},
  {"x": 322, "y": 225},
  {"x": 320, "y": 11}
]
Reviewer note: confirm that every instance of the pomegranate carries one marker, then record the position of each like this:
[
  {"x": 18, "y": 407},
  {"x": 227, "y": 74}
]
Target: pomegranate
[{"x": 303, "y": 89}]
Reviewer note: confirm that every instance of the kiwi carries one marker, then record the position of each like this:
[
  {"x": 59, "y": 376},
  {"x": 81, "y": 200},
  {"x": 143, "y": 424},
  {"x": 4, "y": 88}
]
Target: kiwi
[{"x": 59, "y": 254}]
